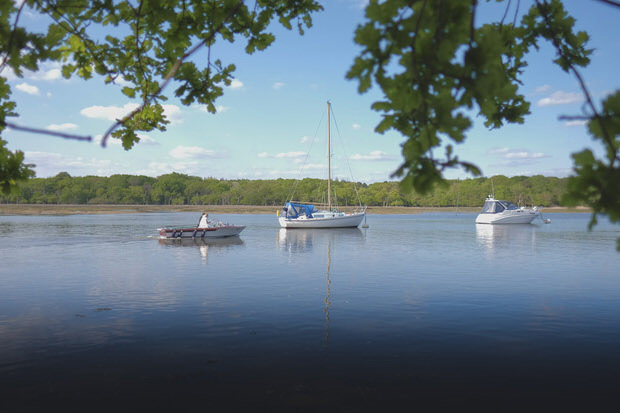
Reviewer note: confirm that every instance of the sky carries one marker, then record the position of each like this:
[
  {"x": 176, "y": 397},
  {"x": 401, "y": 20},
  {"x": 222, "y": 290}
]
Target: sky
[{"x": 271, "y": 121}]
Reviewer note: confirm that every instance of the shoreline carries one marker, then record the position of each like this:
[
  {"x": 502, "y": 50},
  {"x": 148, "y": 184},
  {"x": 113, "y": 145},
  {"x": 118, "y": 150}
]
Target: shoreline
[{"x": 60, "y": 209}]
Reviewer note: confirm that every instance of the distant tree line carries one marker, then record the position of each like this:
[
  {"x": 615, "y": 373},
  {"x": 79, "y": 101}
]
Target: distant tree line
[{"x": 180, "y": 189}]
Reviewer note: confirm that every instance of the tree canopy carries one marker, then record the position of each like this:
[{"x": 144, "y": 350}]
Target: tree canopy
[
  {"x": 181, "y": 189},
  {"x": 146, "y": 44}
]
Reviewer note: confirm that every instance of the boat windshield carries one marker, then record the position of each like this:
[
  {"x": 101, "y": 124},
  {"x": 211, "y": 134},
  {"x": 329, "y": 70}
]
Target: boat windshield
[
  {"x": 492, "y": 207},
  {"x": 509, "y": 205}
]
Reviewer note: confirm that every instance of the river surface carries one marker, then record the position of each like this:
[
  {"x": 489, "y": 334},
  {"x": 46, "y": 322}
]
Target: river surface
[{"x": 95, "y": 310}]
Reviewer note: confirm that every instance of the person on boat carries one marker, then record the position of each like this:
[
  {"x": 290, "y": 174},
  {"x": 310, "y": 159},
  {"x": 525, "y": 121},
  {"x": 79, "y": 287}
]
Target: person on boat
[{"x": 204, "y": 221}]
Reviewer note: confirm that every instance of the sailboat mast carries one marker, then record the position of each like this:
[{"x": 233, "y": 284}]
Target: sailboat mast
[{"x": 329, "y": 160}]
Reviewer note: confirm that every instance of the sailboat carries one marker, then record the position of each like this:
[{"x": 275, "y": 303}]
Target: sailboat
[{"x": 305, "y": 215}]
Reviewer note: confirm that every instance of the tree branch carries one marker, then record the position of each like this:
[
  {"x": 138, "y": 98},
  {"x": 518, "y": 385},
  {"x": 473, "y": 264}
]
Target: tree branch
[
  {"x": 610, "y": 2},
  {"x": 173, "y": 70},
  {"x": 501, "y": 23},
  {"x": 472, "y": 28},
  {"x": 10, "y": 43},
  {"x": 138, "y": 46},
  {"x": 46, "y": 132},
  {"x": 514, "y": 20}
]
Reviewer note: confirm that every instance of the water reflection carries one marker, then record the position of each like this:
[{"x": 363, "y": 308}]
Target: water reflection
[
  {"x": 328, "y": 294},
  {"x": 203, "y": 244},
  {"x": 301, "y": 240},
  {"x": 306, "y": 240},
  {"x": 501, "y": 237}
]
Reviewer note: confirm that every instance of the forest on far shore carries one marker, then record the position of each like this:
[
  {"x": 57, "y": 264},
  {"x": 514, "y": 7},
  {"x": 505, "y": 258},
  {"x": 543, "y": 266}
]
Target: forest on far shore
[{"x": 180, "y": 189}]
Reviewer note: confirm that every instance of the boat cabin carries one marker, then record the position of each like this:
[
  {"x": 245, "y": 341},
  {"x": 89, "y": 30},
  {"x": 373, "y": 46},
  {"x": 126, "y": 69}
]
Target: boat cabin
[
  {"x": 495, "y": 206},
  {"x": 294, "y": 210}
]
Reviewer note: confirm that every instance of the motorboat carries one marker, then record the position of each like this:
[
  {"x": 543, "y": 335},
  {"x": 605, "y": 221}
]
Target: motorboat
[
  {"x": 206, "y": 228},
  {"x": 305, "y": 215},
  {"x": 496, "y": 211}
]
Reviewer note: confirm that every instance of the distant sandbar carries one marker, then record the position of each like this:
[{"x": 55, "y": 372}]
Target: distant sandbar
[{"x": 47, "y": 209}]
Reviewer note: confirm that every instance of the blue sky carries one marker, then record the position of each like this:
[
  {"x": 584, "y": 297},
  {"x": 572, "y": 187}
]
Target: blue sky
[{"x": 267, "y": 125}]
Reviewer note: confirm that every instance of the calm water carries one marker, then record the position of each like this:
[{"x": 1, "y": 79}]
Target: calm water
[{"x": 95, "y": 309}]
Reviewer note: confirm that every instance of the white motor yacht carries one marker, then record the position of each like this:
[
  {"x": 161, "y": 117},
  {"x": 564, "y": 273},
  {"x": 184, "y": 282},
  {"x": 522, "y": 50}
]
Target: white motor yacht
[{"x": 496, "y": 211}]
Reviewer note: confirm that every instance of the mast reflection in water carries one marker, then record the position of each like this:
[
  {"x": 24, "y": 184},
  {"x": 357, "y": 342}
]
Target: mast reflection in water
[{"x": 303, "y": 240}]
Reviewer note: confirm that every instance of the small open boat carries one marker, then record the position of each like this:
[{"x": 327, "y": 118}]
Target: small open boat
[{"x": 206, "y": 229}]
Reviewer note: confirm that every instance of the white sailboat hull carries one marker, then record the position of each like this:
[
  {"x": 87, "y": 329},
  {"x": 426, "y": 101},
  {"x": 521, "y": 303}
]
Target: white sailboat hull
[{"x": 331, "y": 221}]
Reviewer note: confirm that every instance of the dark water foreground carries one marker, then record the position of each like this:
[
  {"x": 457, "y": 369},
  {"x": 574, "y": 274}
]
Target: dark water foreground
[{"x": 424, "y": 312}]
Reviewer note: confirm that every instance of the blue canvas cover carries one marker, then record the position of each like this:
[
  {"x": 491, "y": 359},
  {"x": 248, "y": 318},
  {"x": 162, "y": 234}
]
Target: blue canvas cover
[{"x": 294, "y": 210}]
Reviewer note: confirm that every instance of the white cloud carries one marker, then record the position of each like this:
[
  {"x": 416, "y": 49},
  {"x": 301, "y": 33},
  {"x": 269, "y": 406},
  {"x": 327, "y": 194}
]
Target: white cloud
[
  {"x": 576, "y": 123},
  {"x": 52, "y": 74},
  {"x": 121, "y": 81},
  {"x": 560, "y": 98},
  {"x": 509, "y": 153},
  {"x": 294, "y": 154},
  {"x": 218, "y": 109},
  {"x": 48, "y": 71},
  {"x": 8, "y": 73},
  {"x": 356, "y": 126},
  {"x": 525, "y": 155},
  {"x": 315, "y": 166},
  {"x": 111, "y": 141},
  {"x": 62, "y": 126},
  {"x": 191, "y": 167},
  {"x": 191, "y": 152},
  {"x": 516, "y": 157},
  {"x": 372, "y": 156},
  {"x": 305, "y": 139},
  {"x": 542, "y": 89},
  {"x": 236, "y": 84},
  {"x": 173, "y": 114},
  {"x": 112, "y": 113},
  {"x": 50, "y": 164},
  {"x": 147, "y": 140},
  {"x": 27, "y": 88},
  {"x": 278, "y": 85}
]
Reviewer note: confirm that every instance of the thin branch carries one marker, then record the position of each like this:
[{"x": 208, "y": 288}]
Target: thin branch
[
  {"x": 138, "y": 46},
  {"x": 501, "y": 23},
  {"x": 574, "y": 117},
  {"x": 474, "y": 5},
  {"x": 10, "y": 43},
  {"x": 610, "y": 2},
  {"x": 173, "y": 70},
  {"x": 417, "y": 25},
  {"x": 46, "y": 132},
  {"x": 514, "y": 21}
]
